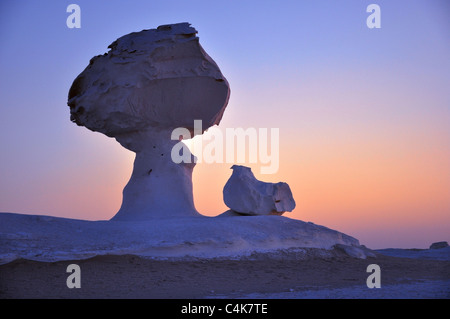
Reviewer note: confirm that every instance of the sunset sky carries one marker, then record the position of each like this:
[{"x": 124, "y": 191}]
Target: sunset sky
[{"x": 363, "y": 114}]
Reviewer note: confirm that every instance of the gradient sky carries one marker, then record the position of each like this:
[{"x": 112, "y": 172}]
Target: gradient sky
[{"x": 364, "y": 114}]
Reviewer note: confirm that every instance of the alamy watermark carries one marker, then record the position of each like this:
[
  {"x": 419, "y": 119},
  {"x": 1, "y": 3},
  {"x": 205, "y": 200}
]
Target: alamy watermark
[
  {"x": 74, "y": 18},
  {"x": 374, "y": 19},
  {"x": 74, "y": 279},
  {"x": 235, "y": 146},
  {"x": 374, "y": 280}
]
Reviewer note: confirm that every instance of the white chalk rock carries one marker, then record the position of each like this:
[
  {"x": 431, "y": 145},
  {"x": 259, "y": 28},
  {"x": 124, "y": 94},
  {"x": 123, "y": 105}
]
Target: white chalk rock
[
  {"x": 148, "y": 84},
  {"x": 244, "y": 194},
  {"x": 158, "y": 78},
  {"x": 47, "y": 238}
]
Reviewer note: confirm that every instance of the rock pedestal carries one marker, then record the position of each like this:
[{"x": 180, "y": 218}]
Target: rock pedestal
[{"x": 158, "y": 187}]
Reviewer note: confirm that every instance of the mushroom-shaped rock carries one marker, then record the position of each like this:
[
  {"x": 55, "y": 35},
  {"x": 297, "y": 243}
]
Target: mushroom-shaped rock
[
  {"x": 246, "y": 195},
  {"x": 148, "y": 84}
]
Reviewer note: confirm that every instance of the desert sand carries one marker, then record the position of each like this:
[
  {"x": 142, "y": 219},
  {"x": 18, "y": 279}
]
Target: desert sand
[{"x": 281, "y": 275}]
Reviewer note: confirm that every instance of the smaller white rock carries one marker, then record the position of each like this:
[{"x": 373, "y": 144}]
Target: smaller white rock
[{"x": 244, "y": 194}]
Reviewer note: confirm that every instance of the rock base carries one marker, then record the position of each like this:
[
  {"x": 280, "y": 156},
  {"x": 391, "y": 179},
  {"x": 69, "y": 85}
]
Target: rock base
[{"x": 46, "y": 238}]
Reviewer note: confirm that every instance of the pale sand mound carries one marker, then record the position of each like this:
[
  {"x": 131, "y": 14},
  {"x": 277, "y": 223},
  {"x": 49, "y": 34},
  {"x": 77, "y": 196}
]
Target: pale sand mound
[{"x": 46, "y": 238}]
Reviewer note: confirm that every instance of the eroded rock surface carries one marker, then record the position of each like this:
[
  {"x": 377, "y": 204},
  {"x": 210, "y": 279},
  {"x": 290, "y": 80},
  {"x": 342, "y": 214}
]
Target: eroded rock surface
[{"x": 246, "y": 195}]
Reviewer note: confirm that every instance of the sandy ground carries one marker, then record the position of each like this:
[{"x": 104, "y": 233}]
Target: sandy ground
[{"x": 130, "y": 276}]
